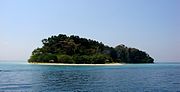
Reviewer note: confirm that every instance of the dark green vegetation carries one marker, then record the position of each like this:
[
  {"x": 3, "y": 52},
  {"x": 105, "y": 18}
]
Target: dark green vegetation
[{"x": 73, "y": 49}]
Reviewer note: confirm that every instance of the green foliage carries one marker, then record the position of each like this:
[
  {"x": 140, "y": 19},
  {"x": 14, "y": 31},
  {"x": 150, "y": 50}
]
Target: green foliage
[
  {"x": 122, "y": 53},
  {"x": 73, "y": 49},
  {"x": 33, "y": 58},
  {"x": 101, "y": 59},
  {"x": 47, "y": 58},
  {"x": 92, "y": 59},
  {"x": 132, "y": 55},
  {"x": 83, "y": 59},
  {"x": 64, "y": 59}
]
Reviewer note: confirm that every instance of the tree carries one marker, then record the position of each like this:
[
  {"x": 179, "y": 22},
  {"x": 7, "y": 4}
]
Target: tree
[
  {"x": 73, "y": 49},
  {"x": 122, "y": 53},
  {"x": 64, "y": 59},
  {"x": 101, "y": 59}
]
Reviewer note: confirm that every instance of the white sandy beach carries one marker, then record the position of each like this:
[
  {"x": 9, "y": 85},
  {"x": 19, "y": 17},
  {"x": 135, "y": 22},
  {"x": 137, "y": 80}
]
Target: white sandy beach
[{"x": 63, "y": 64}]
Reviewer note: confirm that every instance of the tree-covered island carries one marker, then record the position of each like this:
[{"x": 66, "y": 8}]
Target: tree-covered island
[{"x": 75, "y": 50}]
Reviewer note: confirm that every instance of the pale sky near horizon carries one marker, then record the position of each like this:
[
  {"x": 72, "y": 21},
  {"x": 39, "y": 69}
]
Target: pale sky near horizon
[{"x": 149, "y": 25}]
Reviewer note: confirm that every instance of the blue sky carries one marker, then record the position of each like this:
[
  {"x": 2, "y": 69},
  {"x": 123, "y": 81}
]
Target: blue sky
[{"x": 150, "y": 25}]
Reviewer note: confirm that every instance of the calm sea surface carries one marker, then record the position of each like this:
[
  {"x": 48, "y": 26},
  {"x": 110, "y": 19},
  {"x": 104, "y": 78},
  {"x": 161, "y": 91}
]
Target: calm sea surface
[{"x": 22, "y": 77}]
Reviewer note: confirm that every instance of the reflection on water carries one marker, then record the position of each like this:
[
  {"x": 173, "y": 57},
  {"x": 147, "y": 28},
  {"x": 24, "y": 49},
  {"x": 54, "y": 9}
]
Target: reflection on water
[{"x": 136, "y": 78}]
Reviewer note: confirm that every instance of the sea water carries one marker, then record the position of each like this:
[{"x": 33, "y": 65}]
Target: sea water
[{"x": 23, "y": 77}]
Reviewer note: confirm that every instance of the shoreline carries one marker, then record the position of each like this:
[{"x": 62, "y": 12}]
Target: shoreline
[{"x": 63, "y": 64}]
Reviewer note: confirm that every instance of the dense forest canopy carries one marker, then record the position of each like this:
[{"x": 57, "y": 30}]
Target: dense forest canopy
[{"x": 73, "y": 49}]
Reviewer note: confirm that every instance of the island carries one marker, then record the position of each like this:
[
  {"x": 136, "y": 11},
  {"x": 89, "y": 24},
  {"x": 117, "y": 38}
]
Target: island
[{"x": 73, "y": 49}]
